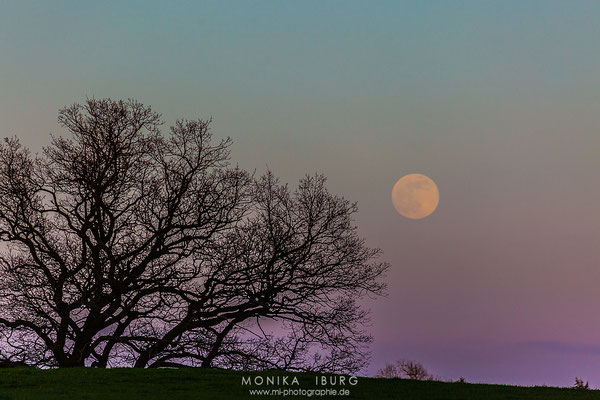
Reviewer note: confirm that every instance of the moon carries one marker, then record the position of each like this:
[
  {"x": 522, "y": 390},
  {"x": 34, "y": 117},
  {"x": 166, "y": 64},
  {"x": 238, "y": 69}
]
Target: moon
[{"x": 415, "y": 196}]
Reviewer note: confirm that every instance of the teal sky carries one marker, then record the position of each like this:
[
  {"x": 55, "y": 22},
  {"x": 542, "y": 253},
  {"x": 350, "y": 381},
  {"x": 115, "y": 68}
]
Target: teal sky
[{"x": 497, "y": 101}]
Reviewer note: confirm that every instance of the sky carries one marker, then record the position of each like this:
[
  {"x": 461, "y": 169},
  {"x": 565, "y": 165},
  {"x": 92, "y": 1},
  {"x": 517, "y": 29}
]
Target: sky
[{"x": 496, "y": 101}]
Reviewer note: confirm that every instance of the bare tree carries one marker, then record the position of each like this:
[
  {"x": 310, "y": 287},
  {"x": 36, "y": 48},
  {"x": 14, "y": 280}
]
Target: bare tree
[
  {"x": 404, "y": 369},
  {"x": 389, "y": 371},
  {"x": 124, "y": 246},
  {"x": 413, "y": 369},
  {"x": 296, "y": 260}
]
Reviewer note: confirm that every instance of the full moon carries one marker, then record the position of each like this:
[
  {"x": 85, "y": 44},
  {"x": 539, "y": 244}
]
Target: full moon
[{"x": 415, "y": 196}]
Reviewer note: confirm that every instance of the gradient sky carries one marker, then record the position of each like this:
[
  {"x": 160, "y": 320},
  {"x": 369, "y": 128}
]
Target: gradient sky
[{"x": 498, "y": 102}]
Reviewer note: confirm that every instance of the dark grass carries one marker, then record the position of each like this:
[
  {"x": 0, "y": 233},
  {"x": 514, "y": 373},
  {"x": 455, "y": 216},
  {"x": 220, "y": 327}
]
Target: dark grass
[{"x": 189, "y": 383}]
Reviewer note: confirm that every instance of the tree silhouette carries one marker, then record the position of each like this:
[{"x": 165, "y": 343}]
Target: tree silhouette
[
  {"x": 125, "y": 246},
  {"x": 405, "y": 369}
]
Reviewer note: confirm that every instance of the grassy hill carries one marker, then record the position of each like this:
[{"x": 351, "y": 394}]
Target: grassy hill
[{"x": 172, "y": 384}]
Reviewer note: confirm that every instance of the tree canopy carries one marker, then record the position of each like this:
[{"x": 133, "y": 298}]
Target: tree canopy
[{"x": 126, "y": 245}]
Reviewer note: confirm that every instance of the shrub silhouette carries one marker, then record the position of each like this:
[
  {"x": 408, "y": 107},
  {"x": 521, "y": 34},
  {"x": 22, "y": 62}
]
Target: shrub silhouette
[
  {"x": 404, "y": 369},
  {"x": 389, "y": 371},
  {"x": 580, "y": 385}
]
